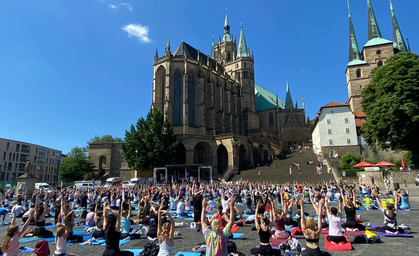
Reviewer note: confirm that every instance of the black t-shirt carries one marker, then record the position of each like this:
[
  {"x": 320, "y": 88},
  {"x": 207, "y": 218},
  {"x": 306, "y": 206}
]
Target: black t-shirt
[
  {"x": 350, "y": 213},
  {"x": 197, "y": 203}
]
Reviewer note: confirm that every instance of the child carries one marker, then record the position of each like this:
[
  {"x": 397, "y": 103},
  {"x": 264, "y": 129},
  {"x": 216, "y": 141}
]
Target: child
[
  {"x": 10, "y": 243},
  {"x": 61, "y": 240}
]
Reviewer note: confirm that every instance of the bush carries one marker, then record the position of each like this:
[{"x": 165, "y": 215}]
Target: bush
[
  {"x": 371, "y": 160},
  {"x": 348, "y": 160}
]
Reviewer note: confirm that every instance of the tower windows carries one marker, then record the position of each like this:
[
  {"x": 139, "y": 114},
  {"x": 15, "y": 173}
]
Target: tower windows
[
  {"x": 245, "y": 74},
  {"x": 228, "y": 56},
  {"x": 358, "y": 73},
  {"x": 378, "y": 51},
  {"x": 380, "y": 63},
  {"x": 245, "y": 64},
  {"x": 177, "y": 99}
]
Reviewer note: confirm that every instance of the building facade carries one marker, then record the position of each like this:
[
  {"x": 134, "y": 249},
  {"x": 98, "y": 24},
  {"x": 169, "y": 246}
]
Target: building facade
[
  {"x": 374, "y": 54},
  {"x": 335, "y": 128},
  {"x": 219, "y": 114},
  {"x": 44, "y": 161}
]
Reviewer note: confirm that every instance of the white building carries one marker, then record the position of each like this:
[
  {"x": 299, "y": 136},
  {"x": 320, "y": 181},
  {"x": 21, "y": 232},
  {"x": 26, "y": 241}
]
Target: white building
[
  {"x": 335, "y": 130},
  {"x": 14, "y": 155}
]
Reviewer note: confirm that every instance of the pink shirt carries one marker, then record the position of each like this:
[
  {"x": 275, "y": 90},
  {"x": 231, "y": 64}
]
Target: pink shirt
[{"x": 13, "y": 248}]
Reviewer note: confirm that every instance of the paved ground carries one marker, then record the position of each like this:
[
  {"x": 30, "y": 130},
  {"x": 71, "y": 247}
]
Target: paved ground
[{"x": 189, "y": 238}]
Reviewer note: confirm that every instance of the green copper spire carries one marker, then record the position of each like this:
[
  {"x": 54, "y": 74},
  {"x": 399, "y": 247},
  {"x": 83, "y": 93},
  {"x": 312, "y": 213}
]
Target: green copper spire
[
  {"x": 398, "y": 41},
  {"x": 354, "y": 53},
  {"x": 227, "y": 35},
  {"x": 288, "y": 100},
  {"x": 373, "y": 29},
  {"x": 242, "y": 51},
  {"x": 213, "y": 49}
]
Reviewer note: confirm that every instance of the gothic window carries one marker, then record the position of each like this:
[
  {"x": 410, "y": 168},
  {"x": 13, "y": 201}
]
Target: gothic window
[
  {"x": 177, "y": 99},
  {"x": 245, "y": 74},
  {"x": 191, "y": 100},
  {"x": 271, "y": 120},
  {"x": 228, "y": 56},
  {"x": 245, "y": 64},
  {"x": 358, "y": 73}
]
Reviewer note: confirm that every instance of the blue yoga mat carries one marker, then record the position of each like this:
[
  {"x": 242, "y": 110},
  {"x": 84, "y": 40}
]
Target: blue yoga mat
[
  {"x": 78, "y": 232},
  {"x": 51, "y": 226},
  {"x": 360, "y": 209},
  {"x": 26, "y": 250},
  {"x": 28, "y": 239},
  {"x": 237, "y": 235},
  {"x": 135, "y": 251},
  {"x": 82, "y": 226},
  {"x": 188, "y": 254}
]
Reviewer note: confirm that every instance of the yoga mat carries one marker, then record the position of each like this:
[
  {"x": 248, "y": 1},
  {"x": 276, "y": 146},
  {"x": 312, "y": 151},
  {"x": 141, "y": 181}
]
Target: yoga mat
[
  {"x": 237, "y": 235},
  {"x": 26, "y": 250},
  {"x": 50, "y": 239},
  {"x": 188, "y": 254},
  {"x": 395, "y": 235},
  {"x": 360, "y": 209},
  {"x": 82, "y": 226},
  {"x": 273, "y": 247},
  {"x": 78, "y": 232},
  {"x": 51, "y": 226},
  {"x": 348, "y": 233},
  {"x": 369, "y": 234},
  {"x": 5, "y": 224},
  {"x": 29, "y": 239},
  {"x": 276, "y": 242},
  {"x": 248, "y": 215},
  {"x": 337, "y": 247},
  {"x": 188, "y": 218},
  {"x": 371, "y": 209},
  {"x": 235, "y": 228},
  {"x": 135, "y": 251}
]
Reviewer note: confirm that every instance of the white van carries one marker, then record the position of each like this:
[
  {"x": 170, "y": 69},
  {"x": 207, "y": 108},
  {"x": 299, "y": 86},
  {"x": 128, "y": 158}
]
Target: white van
[
  {"x": 83, "y": 185},
  {"x": 45, "y": 186},
  {"x": 116, "y": 181},
  {"x": 134, "y": 181}
]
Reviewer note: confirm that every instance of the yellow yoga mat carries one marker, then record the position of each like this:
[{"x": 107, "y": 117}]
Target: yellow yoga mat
[
  {"x": 384, "y": 204},
  {"x": 369, "y": 234}
]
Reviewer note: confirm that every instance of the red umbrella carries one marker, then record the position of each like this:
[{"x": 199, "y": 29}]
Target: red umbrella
[
  {"x": 385, "y": 164},
  {"x": 403, "y": 164},
  {"x": 365, "y": 164}
]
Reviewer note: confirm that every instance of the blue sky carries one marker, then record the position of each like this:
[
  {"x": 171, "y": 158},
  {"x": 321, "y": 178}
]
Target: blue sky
[{"x": 73, "y": 69}]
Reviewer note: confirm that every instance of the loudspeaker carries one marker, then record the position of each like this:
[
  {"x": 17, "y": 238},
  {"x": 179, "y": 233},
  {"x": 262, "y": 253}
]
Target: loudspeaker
[{"x": 396, "y": 186}]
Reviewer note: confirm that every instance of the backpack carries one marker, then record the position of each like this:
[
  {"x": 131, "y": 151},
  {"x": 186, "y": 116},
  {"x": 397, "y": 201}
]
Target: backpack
[
  {"x": 42, "y": 248},
  {"x": 150, "y": 249},
  {"x": 231, "y": 247}
]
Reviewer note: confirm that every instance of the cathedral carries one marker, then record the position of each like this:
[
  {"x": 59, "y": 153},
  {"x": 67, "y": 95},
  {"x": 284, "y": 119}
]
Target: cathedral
[{"x": 220, "y": 115}]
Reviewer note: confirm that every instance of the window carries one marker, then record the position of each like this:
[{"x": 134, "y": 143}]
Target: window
[
  {"x": 346, "y": 120},
  {"x": 24, "y": 158},
  {"x": 41, "y": 160},
  {"x": 4, "y": 156},
  {"x": 9, "y": 167},
  {"x": 17, "y": 147},
  {"x": 330, "y": 142},
  {"x": 358, "y": 73},
  {"x": 329, "y": 131},
  {"x": 25, "y": 148},
  {"x": 178, "y": 99},
  {"x": 7, "y": 146},
  {"x": 42, "y": 151},
  {"x": 328, "y": 121},
  {"x": 191, "y": 100},
  {"x": 378, "y": 51},
  {"x": 10, "y": 156},
  {"x": 57, "y": 154},
  {"x": 245, "y": 74},
  {"x": 245, "y": 64},
  {"x": 21, "y": 168},
  {"x": 348, "y": 130},
  {"x": 380, "y": 63},
  {"x": 348, "y": 141},
  {"x": 228, "y": 56}
]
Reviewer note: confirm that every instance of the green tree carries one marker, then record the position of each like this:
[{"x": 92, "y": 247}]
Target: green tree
[
  {"x": 75, "y": 165},
  {"x": 348, "y": 160},
  {"x": 104, "y": 139},
  {"x": 391, "y": 103},
  {"x": 150, "y": 143}
]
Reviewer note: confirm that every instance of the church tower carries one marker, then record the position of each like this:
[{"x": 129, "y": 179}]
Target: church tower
[
  {"x": 376, "y": 51},
  {"x": 224, "y": 51}
]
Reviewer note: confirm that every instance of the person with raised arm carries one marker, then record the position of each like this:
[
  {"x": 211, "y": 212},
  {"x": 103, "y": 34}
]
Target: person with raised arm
[
  {"x": 390, "y": 222},
  {"x": 350, "y": 211},
  {"x": 311, "y": 232},
  {"x": 263, "y": 226},
  {"x": 165, "y": 233},
  {"x": 10, "y": 242},
  {"x": 279, "y": 219},
  {"x": 403, "y": 199},
  {"x": 335, "y": 223},
  {"x": 112, "y": 225},
  {"x": 216, "y": 238}
]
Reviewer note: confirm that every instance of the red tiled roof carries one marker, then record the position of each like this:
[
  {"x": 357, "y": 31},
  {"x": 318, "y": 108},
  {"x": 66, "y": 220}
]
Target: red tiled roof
[
  {"x": 359, "y": 114},
  {"x": 334, "y": 104},
  {"x": 358, "y": 122}
]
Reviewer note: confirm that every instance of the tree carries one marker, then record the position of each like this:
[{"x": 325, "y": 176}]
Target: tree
[
  {"x": 104, "y": 139},
  {"x": 348, "y": 160},
  {"x": 391, "y": 103},
  {"x": 150, "y": 143},
  {"x": 75, "y": 165}
]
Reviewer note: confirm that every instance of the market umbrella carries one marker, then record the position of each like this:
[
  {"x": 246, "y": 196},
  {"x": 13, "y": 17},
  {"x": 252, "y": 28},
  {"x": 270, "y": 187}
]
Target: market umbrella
[
  {"x": 365, "y": 164},
  {"x": 385, "y": 164}
]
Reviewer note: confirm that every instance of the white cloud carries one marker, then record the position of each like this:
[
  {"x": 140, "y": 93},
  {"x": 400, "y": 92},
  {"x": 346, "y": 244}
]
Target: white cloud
[
  {"x": 137, "y": 31},
  {"x": 125, "y": 5}
]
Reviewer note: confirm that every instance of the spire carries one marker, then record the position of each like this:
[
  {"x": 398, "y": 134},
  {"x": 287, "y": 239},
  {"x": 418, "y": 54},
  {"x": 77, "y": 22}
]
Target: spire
[
  {"x": 227, "y": 35},
  {"x": 288, "y": 100},
  {"x": 354, "y": 53},
  {"x": 398, "y": 40},
  {"x": 373, "y": 29},
  {"x": 304, "y": 104},
  {"x": 168, "y": 42},
  {"x": 213, "y": 49},
  {"x": 242, "y": 51}
]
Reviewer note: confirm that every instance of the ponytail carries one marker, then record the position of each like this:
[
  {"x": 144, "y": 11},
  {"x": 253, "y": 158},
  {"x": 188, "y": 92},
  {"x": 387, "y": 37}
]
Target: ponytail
[{"x": 9, "y": 235}]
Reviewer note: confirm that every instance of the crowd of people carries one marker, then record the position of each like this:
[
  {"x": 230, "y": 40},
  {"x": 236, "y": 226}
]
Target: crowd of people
[{"x": 272, "y": 210}]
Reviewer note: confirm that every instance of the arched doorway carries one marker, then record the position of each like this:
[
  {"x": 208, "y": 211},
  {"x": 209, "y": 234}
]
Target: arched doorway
[
  {"x": 202, "y": 154},
  {"x": 242, "y": 158},
  {"x": 181, "y": 157},
  {"x": 222, "y": 156},
  {"x": 102, "y": 164}
]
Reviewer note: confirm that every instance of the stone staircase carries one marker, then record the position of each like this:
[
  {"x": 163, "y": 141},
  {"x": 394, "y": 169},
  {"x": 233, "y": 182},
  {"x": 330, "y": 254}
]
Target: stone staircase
[{"x": 278, "y": 171}]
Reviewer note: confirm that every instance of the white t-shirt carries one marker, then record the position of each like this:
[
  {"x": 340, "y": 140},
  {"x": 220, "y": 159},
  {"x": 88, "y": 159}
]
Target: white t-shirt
[
  {"x": 19, "y": 209},
  {"x": 61, "y": 245},
  {"x": 335, "y": 225}
]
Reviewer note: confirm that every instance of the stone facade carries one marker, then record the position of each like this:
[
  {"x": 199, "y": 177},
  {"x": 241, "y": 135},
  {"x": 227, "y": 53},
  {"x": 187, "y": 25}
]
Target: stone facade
[{"x": 211, "y": 104}]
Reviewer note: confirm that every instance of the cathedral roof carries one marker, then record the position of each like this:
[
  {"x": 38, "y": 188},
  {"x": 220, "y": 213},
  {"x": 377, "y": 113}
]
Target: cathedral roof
[
  {"x": 265, "y": 99},
  {"x": 186, "y": 50}
]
